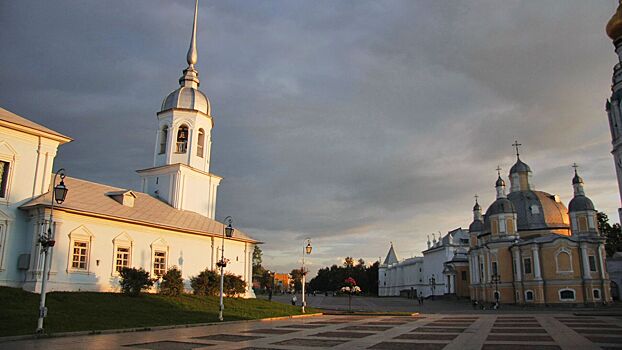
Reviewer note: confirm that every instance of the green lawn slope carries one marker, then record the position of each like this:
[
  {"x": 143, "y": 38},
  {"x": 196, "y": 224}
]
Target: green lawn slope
[{"x": 89, "y": 311}]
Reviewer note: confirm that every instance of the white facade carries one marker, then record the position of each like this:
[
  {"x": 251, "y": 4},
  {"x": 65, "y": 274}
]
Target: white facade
[{"x": 422, "y": 275}]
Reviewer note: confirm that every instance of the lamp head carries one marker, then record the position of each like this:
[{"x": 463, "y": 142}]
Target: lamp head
[
  {"x": 308, "y": 248},
  {"x": 60, "y": 191},
  {"x": 229, "y": 230}
]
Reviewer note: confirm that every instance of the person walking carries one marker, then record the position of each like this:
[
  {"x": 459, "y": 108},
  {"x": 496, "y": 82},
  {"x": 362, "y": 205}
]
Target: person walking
[{"x": 294, "y": 300}]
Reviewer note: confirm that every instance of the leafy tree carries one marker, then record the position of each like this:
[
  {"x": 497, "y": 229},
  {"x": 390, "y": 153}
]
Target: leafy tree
[
  {"x": 172, "y": 282},
  {"x": 612, "y": 233},
  {"x": 206, "y": 283},
  {"x": 296, "y": 280},
  {"x": 133, "y": 281},
  {"x": 348, "y": 262},
  {"x": 331, "y": 278},
  {"x": 257, "y": 257}
]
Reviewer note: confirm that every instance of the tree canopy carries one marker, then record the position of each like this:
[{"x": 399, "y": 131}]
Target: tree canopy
[
  {"x": 331, "y": 278},
  {"x": 612, "y": 233}
]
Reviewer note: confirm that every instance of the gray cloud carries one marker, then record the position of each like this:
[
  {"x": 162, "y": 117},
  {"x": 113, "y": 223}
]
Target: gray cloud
[{"x": 353, "y": 122}]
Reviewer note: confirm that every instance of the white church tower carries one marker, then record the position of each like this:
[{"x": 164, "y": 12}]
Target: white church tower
[
  {"x": 614, "y": 106},
  {"x": 180, "y": 174}
]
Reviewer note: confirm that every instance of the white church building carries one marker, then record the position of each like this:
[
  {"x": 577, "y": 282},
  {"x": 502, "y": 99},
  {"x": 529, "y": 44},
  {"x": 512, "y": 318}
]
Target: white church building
[
  {"x": 434, "y": 273},
  {"x": 100, "y": 229}
]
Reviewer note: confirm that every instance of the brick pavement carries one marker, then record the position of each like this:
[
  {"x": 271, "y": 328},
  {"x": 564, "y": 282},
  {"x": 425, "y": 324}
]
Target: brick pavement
[{"x": 430, "y": 331}]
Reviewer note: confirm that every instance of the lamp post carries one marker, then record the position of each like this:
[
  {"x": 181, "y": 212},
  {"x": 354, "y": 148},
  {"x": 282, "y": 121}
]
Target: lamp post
[
  {"x": 432, "y": 281},
  {"x": 305, "y": 250},
  {"x": 495, "y": 279},
  {"x": 46, "y": 240},
  {"x": 226, "y": 231}
]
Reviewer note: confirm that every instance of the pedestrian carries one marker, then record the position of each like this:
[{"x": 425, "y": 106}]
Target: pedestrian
[
  {"x": 270, "y": 294},
  {"x": 420, "y": 298},
  {"x": 294, "y": 299}
]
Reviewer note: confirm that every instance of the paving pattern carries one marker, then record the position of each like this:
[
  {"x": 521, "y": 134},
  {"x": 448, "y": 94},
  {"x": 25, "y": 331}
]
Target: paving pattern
[{"x": 427, "y": 332}]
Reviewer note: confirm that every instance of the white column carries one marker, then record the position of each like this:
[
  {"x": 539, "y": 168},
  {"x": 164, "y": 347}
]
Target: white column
[
  {"x": 517, "y": 263},
  {"x": 601, "y": 252},
  {"x": 536, "y": 263},
  {"x": 586, "y": 265}
]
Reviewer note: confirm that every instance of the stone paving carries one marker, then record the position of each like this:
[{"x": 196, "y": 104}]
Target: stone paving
[{"x": 424, "y": 332}]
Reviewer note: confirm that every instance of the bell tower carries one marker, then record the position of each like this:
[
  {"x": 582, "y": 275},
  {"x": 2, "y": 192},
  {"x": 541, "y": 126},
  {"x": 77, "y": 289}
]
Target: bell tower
[
  {"x": 180, "y": 174},
  {"x": 613, "y": 105}
]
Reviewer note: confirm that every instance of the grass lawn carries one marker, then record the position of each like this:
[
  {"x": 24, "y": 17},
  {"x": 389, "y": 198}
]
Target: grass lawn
[{"x": 85, "y": 311}]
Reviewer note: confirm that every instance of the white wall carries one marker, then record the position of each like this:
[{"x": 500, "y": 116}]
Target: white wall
[
  {"x": 32, "y": 161},
  {"x": 191, "y": 253}
]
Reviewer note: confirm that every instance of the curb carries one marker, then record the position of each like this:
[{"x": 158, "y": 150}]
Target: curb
[{"x": 145, "y": 329}]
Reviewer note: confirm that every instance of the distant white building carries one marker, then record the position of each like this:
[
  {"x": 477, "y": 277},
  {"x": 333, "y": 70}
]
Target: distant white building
[
  {"x": 433, "y": 273},
  {"x": 100, "y": 229}
]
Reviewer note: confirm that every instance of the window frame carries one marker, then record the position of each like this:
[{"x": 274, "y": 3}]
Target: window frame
[
  {"x": 557, "y": 267},
  {"x": 574, "y": 294},
  {"x": 595, "y": 291},
  {"x": 163, "y": 269},
  {"x": 533, "y": 296},
  {"x": 201, "y": 143},
  {"x": 73, "y": 261},
  {"x": 163, "y": 139},
  {"x": 527, "y": 263},
  {"x": 80, "y": 234},
  {"x": 591, "y": 262}
]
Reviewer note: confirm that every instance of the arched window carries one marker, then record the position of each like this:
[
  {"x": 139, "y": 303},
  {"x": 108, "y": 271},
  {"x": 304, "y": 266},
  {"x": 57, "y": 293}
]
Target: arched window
[
  {"x": 494, "y": 226},
  {"x": 182, "y": 139},
  {"x": 163, "y": 139},
  {"x": 200, "y": 143},
  {"x": 529, "y": 295},
  {"x": 564, "y": 261},
  {"x": 566, "y": 295},
  {"x": 596, "y": 293}
]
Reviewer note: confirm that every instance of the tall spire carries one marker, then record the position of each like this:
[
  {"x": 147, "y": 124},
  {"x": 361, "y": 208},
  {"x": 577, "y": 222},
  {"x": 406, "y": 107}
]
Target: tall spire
[
  {"x": 192, "y": 55},
  {"x": 500, "y": 184},
  {"x": 191, "y": 76},
  {"x": 577, "y": 182}
]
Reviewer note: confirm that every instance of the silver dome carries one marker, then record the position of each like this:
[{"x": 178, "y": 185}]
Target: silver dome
[
  {"x": 187, "y": 97},
  {"x": 580, "y": 203},
  {"x": 520, "y": 167}
]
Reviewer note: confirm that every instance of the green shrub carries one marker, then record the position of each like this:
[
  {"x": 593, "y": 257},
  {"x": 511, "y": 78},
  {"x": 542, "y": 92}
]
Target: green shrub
[
  {"x": 233, "y": 285},
  {"x": 134, "y": 280},
  {"x": 172, "y": 282},
  {"x": 206, "y": 283}
]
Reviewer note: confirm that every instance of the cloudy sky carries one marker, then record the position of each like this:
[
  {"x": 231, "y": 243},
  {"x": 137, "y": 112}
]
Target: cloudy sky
[{"x": 354, "y": 123}]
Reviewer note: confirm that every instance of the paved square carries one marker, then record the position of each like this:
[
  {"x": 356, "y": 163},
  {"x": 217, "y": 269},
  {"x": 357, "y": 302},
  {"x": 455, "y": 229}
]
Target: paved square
[{"x": 545, "y": 331}]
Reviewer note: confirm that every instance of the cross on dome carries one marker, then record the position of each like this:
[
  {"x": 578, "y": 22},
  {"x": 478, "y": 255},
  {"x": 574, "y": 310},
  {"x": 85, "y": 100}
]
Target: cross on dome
[{"x": 516, "y": 144}]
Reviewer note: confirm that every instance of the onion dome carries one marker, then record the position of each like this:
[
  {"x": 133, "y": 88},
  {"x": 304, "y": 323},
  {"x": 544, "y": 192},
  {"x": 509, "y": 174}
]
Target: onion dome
[
  {"x": 614, "y": 26},
  {"x": 499, "y": 182},
  {"x": 537, "y": 210},
  {"x": 520, "y": 167},
  {"x": 477, "y": 207},
  {"x": 500, "y": 206},
  {"x": 476, "y": 226},
  {"x": 580, "y": 203}
]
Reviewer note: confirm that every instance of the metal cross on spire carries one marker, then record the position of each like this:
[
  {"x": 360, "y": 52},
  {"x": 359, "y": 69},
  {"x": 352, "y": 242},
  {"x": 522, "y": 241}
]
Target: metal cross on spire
[
  {"x": 516, "y": 144},
  {"x": 498, "y": 170},
  {"x": 575, "y": 166},
  {"x": 476, "y": 197}
]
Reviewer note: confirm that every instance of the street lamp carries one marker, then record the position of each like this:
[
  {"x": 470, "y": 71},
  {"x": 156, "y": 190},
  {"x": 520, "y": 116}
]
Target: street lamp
[
  {"x": 226, "y": 231},
  {"x": 46, "y": 240},
  {"x": 432, "y": 281},
  {"x": 305, "y": 250},
  {"x": 495, "y": 279}
]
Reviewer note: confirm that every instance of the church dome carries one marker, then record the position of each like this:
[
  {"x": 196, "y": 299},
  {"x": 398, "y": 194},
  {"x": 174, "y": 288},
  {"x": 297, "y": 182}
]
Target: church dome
[
  {"x": 577, "y": 179},
  {"x": 614, "y": 26},
  {"x": 500, "y": 182},
  {"x": 476, "y": 226},
  {"x": 520, "y": 167},
  {"x": 500, "y": 206},
  {"x": 187, "y": 97},
  {"x": 537, "y": 210},
  {"x": 580, "y": 203}
]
